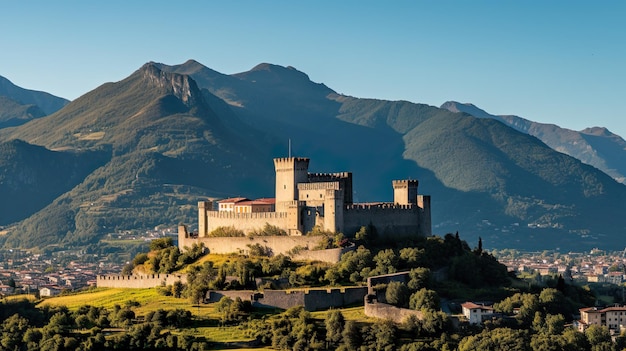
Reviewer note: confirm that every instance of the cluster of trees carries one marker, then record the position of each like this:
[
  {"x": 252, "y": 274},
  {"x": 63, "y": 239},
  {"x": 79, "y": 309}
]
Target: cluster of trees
[
  {"x": 56, "y": 328},
  {"x": 470, "y": 267},
  {"x": 165, "y": 257},
  {"x": 548, "y": 333}
]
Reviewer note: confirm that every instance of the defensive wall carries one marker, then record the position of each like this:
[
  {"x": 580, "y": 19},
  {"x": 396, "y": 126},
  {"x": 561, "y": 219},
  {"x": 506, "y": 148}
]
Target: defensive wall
[
  {"x": 392, "y": 221},
  {"x": 247, "y": 222},
  {"x": 138, "y": 281},
  {"x": 402, "y": 277},
  {"x": 372, "y": 308},
  {"x": 297, "y": 247},
  {"x": 311, "y": 299}
]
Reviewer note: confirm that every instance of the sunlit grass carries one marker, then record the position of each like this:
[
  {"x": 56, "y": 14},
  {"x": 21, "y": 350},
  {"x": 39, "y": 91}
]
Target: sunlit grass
[
  {"x": 20, "y": 297},
  {"x": 206, "y": 319}
]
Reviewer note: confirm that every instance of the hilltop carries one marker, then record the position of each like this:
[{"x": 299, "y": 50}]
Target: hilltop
[{"x": 19, "y": 105}]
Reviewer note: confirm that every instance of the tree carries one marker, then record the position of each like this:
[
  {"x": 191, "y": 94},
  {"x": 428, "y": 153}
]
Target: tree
[
  {"x": 161, "y": 243},
  {"x": 351, "y": 336},
  {"x": 419, "y": 278},
  {"x": 386, "y": 261},
  {"x": 599, "y": 338},
  {"x": 496, "y": 340},
  {"x": 13, "y": 329},
  {"x": 397, "y": 294},
  {"x": 334, "y": 323},
  {"x": 425, "y": 300}
]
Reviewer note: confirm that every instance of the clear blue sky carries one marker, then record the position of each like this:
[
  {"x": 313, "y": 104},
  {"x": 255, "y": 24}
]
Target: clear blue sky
[{"x": 561, "y": 62}]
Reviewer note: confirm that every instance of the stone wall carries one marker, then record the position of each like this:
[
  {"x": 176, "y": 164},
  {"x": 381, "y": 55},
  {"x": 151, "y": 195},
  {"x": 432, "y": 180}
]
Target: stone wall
[
  {"x": 402, "y": 277},
  {"x": 277, "y": 245},
  {"x": 391, "y": 221},
  {"x": 392, "y": 313},
  {"x": 246, "y": 222},
  {"x": 138, "y": 281},
  {"x": 311, "y": 299}
]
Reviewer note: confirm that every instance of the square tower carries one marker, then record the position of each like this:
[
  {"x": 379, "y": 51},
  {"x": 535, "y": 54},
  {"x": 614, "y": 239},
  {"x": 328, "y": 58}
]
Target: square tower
[
  {"x": 405, "y": 191},
  {"x": 289, "y": 172}
]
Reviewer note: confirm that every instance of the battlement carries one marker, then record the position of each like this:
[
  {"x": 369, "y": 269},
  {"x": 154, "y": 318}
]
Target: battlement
[
  {"x": 291, "y": 159},
  {"x": 138, "y": 281},
  {"x": 319, "y": 186},
  {"x": 404, "y": 183},
  {"x": 311, "y": 299},
  {"x": 380, "y": 206},
  {"x": 317, "y": 177},
  {"x": 244, "y": 216}
]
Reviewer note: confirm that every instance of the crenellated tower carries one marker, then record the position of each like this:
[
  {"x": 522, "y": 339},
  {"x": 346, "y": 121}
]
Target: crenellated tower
[
  {"x": 405, "y": 191},
  {"x": 289, "y": 172}
]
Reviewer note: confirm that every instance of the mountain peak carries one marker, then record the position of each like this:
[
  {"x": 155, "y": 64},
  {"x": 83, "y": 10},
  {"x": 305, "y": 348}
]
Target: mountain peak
[
  {"x": 597, "y": 131},
  {"x": 468, "y": 108},
  {"x": 288, "y": 72},
  {"x": 179, "y": 85}
]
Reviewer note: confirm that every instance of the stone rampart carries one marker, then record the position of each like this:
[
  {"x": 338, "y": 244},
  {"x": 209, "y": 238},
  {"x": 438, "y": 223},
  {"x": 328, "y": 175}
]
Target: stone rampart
[
  {"x": 138, "y": 281},
  {"x": 328, "y": 255},
  {"x": 246, "y": 222},
  {"x": 311, "y": 299},
  {"x": 392, "y": 313},
  {"x": 392, "y": 221},
  {"x": 276, "y": 244},
  {"x": 335, "y": 297},
  {"x": 402, "y": 277}
]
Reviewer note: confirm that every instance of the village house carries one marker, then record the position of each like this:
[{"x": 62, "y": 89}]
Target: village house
[
  {"x": 476, "y": 313},
  {"x": 49, "y": 291},
  {"x": 613, "y": 318}
]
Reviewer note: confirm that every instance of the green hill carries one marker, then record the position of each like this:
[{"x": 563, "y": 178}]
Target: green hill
[{"x": 31, "y": 177}]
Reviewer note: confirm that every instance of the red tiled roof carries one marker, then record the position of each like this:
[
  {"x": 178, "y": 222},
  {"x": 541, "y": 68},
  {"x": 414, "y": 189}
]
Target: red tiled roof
[
  {"x": 471, "y": 305},
  {"x": 233, "y": 200},
  {"x": 257, "y": 202},
  {"x": 602, "y": 310}
]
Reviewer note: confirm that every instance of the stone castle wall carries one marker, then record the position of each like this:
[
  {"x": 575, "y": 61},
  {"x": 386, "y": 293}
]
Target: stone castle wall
[
  {"x": 276, "y": 244},
  {"x": 247, "y": 222},
  {"x": 390, "y": 220},
  {"x": 311, "y": 299},
  {"x": 138, "y": 281},
  {"x": 385, "y": 311}
]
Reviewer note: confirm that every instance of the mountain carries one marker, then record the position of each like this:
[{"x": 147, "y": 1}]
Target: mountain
[
  {"x": 594, "y": 146},
  {"x": 168, "y": 150},
  {"x": 32, "y": 176},
  {"x": 178, "y": 134},
  {"x": 18, "y": 105},
  {"x": 12, "y": 113}
]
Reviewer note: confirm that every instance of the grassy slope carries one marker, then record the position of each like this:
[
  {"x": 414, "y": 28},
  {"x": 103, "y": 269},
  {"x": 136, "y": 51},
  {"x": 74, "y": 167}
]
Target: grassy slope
[{"x": 150, "y": 300}]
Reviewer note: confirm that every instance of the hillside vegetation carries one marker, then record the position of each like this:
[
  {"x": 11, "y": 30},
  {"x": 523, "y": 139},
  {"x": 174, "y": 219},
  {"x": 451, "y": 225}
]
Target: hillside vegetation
[{"x": 179, "y": 134}]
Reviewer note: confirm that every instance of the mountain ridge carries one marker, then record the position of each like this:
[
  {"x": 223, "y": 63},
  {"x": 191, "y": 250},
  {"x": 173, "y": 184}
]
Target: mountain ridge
[
  {"x": 178, "y": 134},
  {"x": 595, "y": 146},
  {"x": 47, "y": 102}
]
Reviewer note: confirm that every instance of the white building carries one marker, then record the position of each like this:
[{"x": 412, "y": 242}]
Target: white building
[{"x": 476, "y": 313}]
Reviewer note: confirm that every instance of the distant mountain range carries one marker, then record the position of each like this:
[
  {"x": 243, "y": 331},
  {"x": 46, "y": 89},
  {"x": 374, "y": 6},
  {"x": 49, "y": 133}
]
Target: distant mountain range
[
  {"x": 18, "y": 105},
  {"x": 595, "y": 146},
  {"x": 168, "y": 136}
]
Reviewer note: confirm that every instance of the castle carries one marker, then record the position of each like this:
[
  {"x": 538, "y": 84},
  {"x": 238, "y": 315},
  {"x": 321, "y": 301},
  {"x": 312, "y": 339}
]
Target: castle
[{"x": 305, "y": 201}]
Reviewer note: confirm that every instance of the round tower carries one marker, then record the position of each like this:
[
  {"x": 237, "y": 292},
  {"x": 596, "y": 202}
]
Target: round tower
[{"x": 289, "y": 172}]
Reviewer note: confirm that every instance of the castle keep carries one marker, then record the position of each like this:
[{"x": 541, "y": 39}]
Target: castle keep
[{"x": 306, "y": 200}]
